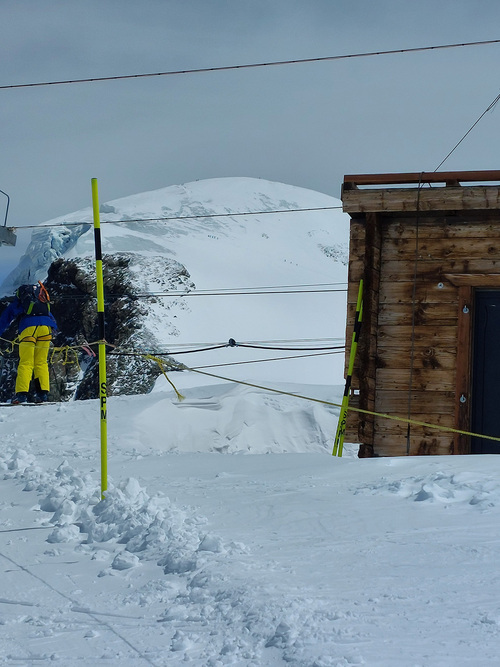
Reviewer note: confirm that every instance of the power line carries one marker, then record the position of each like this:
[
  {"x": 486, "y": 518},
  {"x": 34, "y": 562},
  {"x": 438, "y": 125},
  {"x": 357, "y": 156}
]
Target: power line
[
  {"x": 176, "y": 294},
  {"x": 259, "y": 361},
  {"x": 185, "y": 217},
  {"x": 173, "y": 353},
  {"x": 322, "y": 288},
  {"x": 233, "y": 343},
  {"x": 489, "y": 108},
  {"x": 204, "y": 70},
  {"x": 271, "y": 287},
  {"x": 280, "y": 341},
  {"x": 304, "y": 288},
  {"x": 235, "y": 293}
]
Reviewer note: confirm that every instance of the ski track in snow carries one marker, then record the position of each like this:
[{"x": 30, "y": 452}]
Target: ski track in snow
[{"x": 137, "y": 528}]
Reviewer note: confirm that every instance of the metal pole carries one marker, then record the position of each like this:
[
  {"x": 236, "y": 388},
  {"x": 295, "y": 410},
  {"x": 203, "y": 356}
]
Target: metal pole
[
  {"x": 338, "y": 446},
  {"x": 7, "y": 209},
  {"x": 102, "y": 341}
]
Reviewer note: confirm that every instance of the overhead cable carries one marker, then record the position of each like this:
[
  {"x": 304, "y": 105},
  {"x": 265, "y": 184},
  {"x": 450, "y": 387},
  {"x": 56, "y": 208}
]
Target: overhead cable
[
  {"x": 199, "y": 293},
  {"x": 259, "y": 361},
  {"x": 489, "y": 108},
  {"x": 235, "y": 293},
  {"x": 232, "y": 343},
  {"x": 172, "y": 218},
  {"x": 225, "y": 68},
  {"x": 260, "y": 343}
]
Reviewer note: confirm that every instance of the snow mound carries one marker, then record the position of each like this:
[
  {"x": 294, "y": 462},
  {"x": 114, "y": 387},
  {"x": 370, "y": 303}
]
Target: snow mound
[
  {"x": 149, "y": 528},
  {"x": 232, "y": 419},
  {"x": 462, "y": 488}
]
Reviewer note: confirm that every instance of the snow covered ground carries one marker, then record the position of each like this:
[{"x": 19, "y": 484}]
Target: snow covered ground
[{"x": 225, "y": 540}]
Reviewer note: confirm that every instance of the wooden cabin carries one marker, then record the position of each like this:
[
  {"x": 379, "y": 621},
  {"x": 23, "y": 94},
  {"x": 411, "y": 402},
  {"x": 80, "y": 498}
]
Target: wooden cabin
[{"x": 427, "y": 246}]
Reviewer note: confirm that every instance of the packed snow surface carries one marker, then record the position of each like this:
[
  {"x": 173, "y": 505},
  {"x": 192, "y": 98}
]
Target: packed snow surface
[{"x": 224, "y": 539}]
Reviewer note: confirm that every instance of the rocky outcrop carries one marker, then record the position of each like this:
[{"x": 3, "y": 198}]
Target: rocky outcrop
[{"x": 128, "y": 304}]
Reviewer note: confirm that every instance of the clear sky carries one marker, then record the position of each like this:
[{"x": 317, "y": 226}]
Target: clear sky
[{"x": 303, "y": 124}]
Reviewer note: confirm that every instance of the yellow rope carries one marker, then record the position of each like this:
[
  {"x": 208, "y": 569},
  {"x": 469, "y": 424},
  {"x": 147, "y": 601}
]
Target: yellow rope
[
  {"x": 182, "y": 367},
  {"x": 11, "y": 344},
  {"x": 161, "y": 364},
  {"x": 415, "y": 422},
  {"x": 65, "y": 355}
]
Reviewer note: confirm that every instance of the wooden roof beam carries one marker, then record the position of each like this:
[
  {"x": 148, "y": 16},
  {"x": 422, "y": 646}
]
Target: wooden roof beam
[{"x": 451, "y": 178}]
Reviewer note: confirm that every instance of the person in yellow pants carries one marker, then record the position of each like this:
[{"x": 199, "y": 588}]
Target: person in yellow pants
[
  {"x": 34, "y": 343},
  {"x": 36, "y": 324}
]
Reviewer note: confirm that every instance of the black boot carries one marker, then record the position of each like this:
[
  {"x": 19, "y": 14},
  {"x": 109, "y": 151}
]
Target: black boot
[{"x": 42, "y": 396}]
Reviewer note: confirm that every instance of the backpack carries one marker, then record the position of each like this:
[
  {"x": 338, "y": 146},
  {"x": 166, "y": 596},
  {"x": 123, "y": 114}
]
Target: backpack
[{"x": 34, "y": 299}]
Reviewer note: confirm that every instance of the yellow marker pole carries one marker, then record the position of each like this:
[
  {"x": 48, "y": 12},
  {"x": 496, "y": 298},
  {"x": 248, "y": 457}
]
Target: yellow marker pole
[
  {"x": 102, "y": 344},
  {"x": 339, "y": 436}
]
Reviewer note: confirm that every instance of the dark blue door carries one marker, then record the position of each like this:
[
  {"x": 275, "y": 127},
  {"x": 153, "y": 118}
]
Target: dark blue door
[{"x": 485, "y": 415}]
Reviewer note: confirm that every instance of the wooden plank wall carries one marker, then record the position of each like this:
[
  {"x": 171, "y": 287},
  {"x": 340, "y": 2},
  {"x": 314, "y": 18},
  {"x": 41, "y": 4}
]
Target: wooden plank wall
[
  {"x": 460, "y": 198},
  {"x": 418, "y": 321},
  {"x": 454, "y": 245}
]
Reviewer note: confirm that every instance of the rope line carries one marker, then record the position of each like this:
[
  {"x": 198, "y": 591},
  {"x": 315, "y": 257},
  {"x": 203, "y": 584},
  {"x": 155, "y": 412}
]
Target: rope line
[
  {"x": 415, "y": 422},
  {"x": 161, "y": 364},
  {"x": 445, "y": 429},
  {"x": 225, "y": 68},
  {"x": 257, "y": 361},
  {"x": 165, "y": 366}
]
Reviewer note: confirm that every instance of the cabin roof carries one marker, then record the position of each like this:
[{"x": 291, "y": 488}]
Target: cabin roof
[
  {"x": 447, "y": 177},
  {"x": 426, "y": 192}
]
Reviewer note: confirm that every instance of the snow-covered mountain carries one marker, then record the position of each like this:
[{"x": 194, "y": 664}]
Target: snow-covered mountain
[{"x": 196, "y": 238}]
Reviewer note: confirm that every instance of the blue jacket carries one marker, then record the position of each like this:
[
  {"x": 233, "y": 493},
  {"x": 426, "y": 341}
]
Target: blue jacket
[{"x": 15, "y": 309}]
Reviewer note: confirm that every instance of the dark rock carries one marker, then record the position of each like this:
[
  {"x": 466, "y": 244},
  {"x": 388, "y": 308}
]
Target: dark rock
[{"x": 72, "y": 287}]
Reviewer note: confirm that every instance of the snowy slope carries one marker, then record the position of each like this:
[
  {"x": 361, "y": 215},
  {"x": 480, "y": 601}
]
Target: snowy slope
[
  {"x": 254, "y": 560},
  {"x": 224, "y": 253}
]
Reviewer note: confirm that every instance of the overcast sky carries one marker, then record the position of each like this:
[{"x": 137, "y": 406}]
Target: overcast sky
[{"x": 303, "y": 124}]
